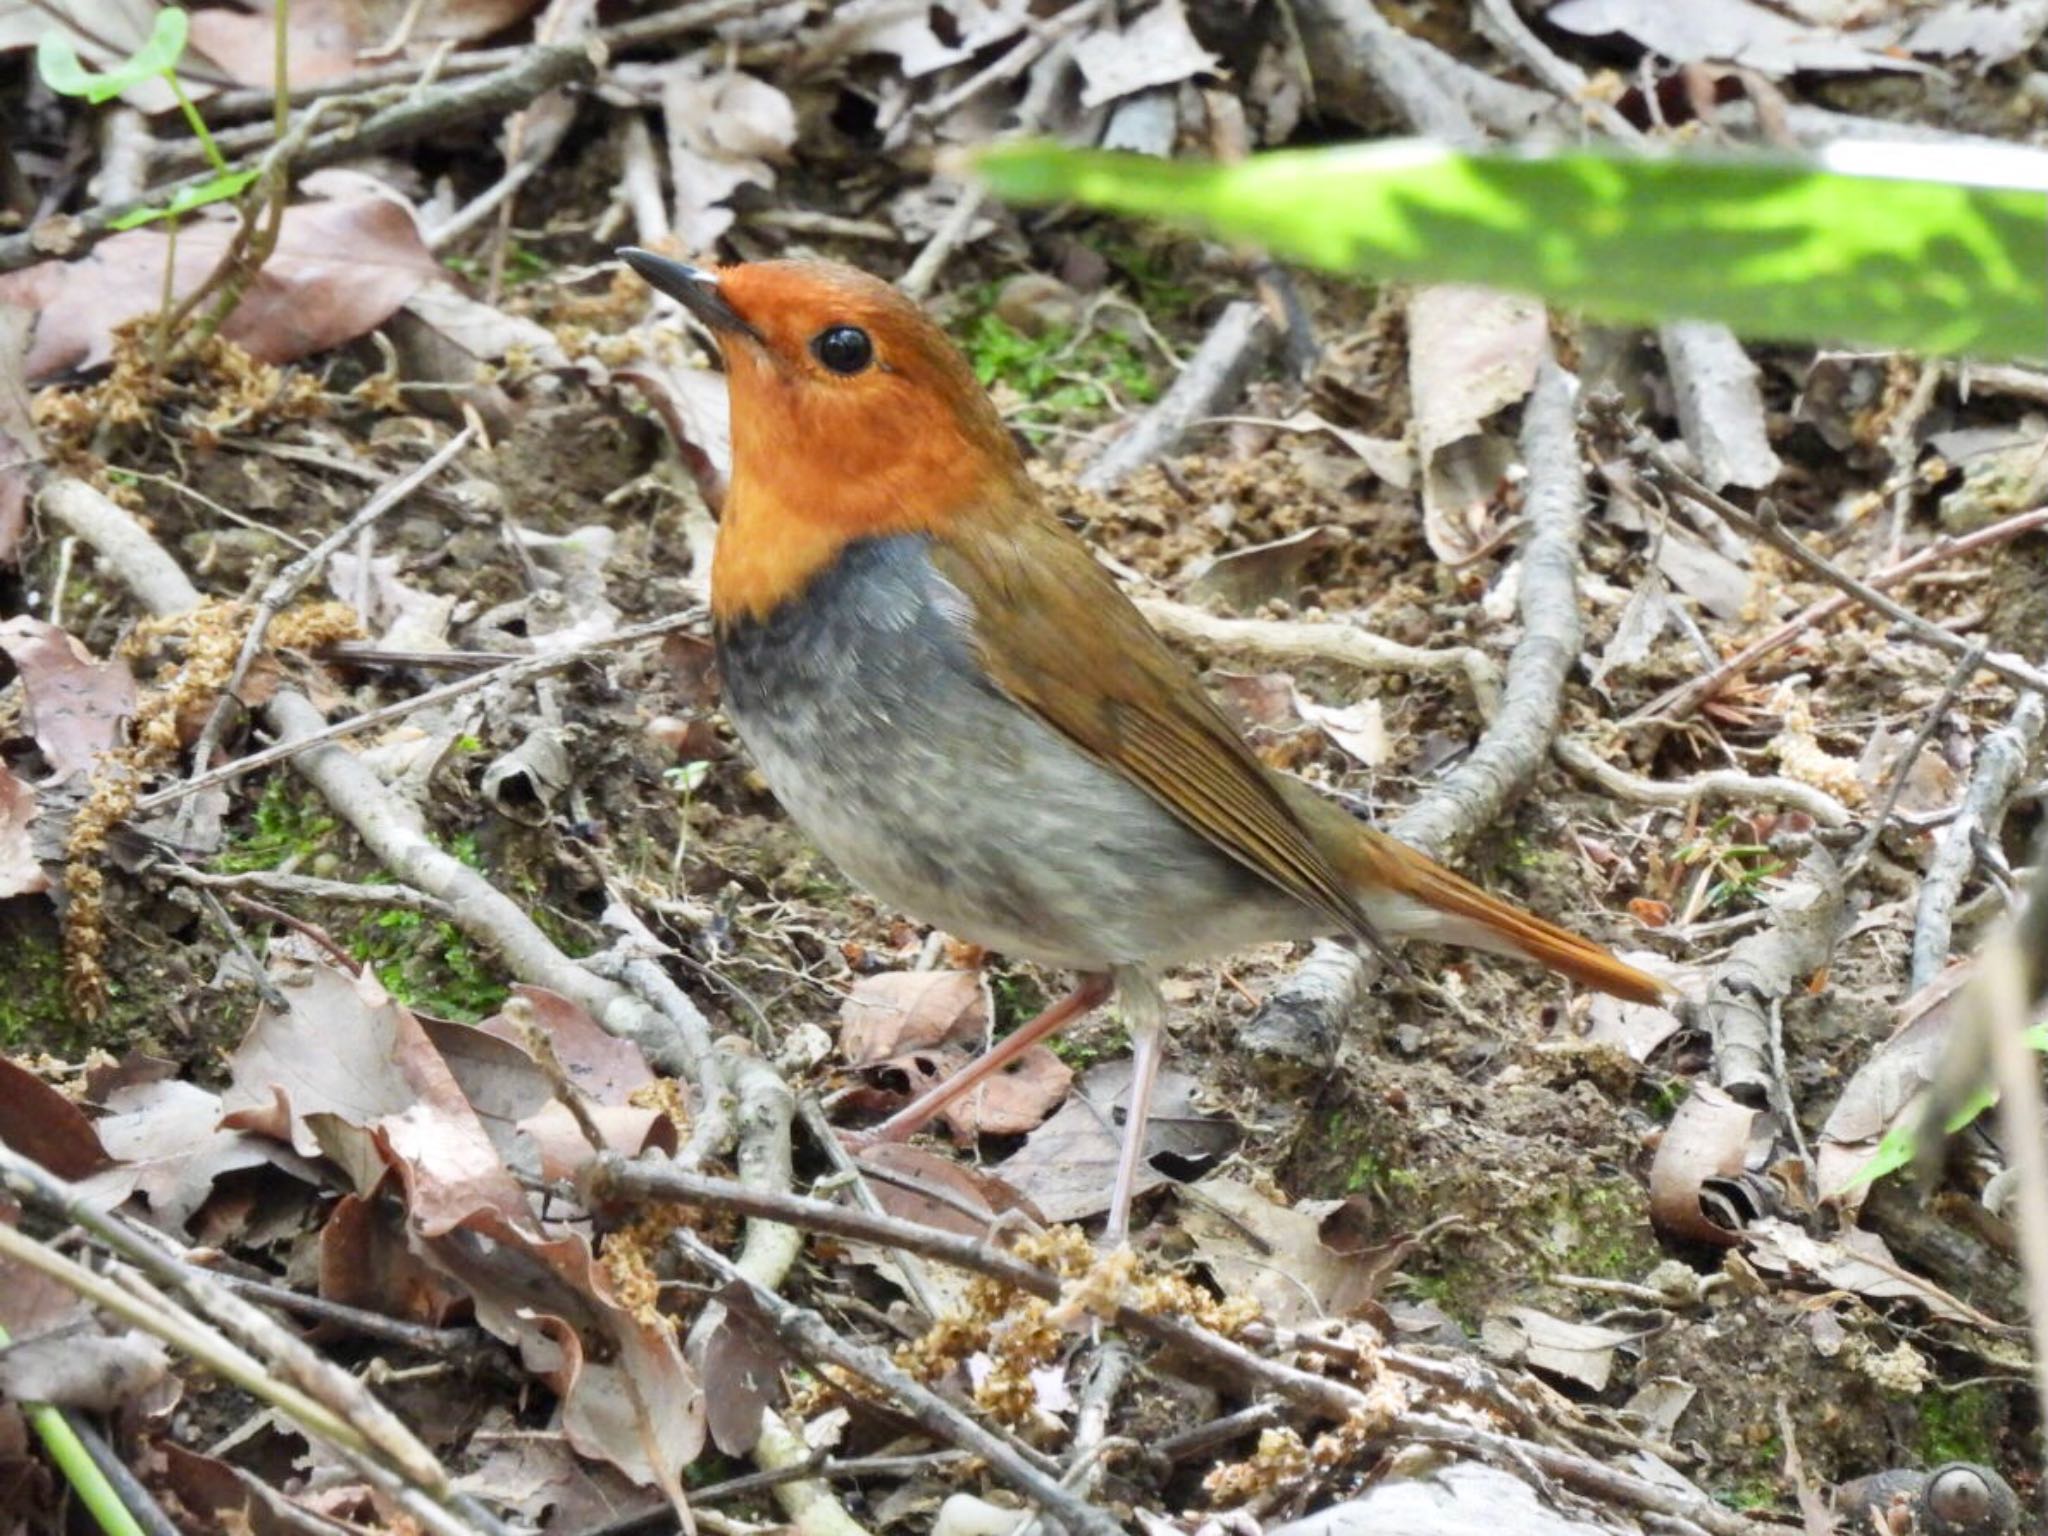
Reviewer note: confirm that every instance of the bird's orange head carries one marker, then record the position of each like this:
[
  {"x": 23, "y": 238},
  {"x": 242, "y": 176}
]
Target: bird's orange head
[{"x": 853, "y": 416}]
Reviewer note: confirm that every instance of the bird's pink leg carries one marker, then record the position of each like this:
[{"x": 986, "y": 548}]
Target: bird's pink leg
[
  {"x": 1090, "y": 993},
  {"x": 1145, "y": 1015}
]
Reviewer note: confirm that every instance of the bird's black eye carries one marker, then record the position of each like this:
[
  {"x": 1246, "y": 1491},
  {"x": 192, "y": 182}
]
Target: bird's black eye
[{"x": 843, "y": 348}]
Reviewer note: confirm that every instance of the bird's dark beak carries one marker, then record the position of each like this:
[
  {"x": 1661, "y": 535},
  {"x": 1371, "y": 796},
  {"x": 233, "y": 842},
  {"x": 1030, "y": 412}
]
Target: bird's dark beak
[{"x": 692, "y": 287}]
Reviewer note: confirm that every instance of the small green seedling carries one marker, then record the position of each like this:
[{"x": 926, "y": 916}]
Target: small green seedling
[
  {"x": 1901, "y": 1143},
  {"x": 58, "y": 63}
]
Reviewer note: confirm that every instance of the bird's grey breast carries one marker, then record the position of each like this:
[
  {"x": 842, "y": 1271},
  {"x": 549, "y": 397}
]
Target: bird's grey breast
[{"x": 867, "y": 712}]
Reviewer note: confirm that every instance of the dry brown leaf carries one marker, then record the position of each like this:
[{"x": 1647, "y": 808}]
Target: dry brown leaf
[
  {"x": 322, "y": 40},
  {"x": 167, "y": 1143},
  {"x": 1708, "y": 1140},
  {"x": 96, "y": 1372},
  {"x": 21, "y": 873},
  {"x": 726, "y": 130},
  {"x": 1726, "y": 32},
  {"x": 344, "y": 1068},
  {"x": 540, "y": 1479},
  {"x": 1578, "y": 1352},
  {"x": 1472, "y": 353},
  {"x": 340, "y": 269},
  {"x": 1462, "y": 1499},
  {"x": 905, "y": 29},
  {"x": 1856, "y": 1261},
  {"x": 1013, "y": 1101},
  {"x": 45, "y": 1127},
  {"x": 1066, "y": 1167},
  {"x": 1254, "y": 1246},
  {"x": 1154, "y": 48},
  {"x": 897, "y": 1012},
  {"x": 365, "y": 1261},
  {"x": 1248, "y": 579},
  {"x": 76, "y": 704}
]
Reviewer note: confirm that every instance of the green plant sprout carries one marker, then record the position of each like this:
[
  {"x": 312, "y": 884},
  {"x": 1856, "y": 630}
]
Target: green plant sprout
[{"x": 58, "y": 63}]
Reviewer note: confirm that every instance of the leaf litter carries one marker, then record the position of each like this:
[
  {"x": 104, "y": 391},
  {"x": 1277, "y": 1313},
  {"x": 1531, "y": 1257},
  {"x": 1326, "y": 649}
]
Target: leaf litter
[{"x": 1485, "y": 1150}]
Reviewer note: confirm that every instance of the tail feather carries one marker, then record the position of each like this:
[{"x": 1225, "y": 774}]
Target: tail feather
[{"x": 1409, "y": 895}]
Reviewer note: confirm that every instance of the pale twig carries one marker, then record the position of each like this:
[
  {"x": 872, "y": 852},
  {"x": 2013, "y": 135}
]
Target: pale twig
[
  {"x": 1347, "y": 645},
  {"x": 2001, "y": 761},
  {"x": 1299, "y": 1022},
  {"x": 536, "y": 70},
  {"x": 312, "y": 888},
  {"x": 419, "y": 1476},
  {"x": 1212, "y": 380},
  {"x": 1727, "y": 784}
]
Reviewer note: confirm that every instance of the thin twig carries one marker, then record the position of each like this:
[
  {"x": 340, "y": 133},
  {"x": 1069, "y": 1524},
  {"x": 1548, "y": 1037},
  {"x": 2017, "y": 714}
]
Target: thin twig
[
  {"x": 1727, "y": 784},
  {"x": 523, "y": 670},
  {"x": 2001, "y": 761},
  {"x": 1903, "y": 769},
  {"x": 1190, "y": 1348}
]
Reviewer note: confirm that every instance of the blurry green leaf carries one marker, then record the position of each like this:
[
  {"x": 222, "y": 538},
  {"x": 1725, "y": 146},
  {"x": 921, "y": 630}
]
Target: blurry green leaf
[
  {"x": 58, "y": 63},
  {"x": 1901, "y": 1144},
  {"x": 218, "y": 190},
  {"x": 1889, "y": 245}
]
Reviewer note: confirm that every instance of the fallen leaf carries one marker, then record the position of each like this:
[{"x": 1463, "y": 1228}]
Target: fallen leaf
[
  {"x": 1015, "y": 1100},
  {"x": 1472, "y": 352},
  {"x": 1878, "y": 1110},
  {"x": 96, "y": 1372},
  {"x": 340, "y": 269},
  {"x": 740, "y": 1364},
  {"x": 343, "y": 1069},
  {"x": 540, "y": 1479},
  {"x": 1855, "y": 1261},
  {"x": 1708, "y": 1143},
  {"x": 1465, "y": 1498},
  {"x": 1359, "y": 729},
  {"x": 1254, "y": 1246},
  {"x": 1582, "y": 1353},
  {"x": 892, "y": 1014},
  {"x": 904, "y": 28},
  {"x": 1156, "y": 48},
  {"x": 726, "y": 130},
  {"x": 167, "y": 1143},
  {"x": 1724, "y": 31},
  {"x": 322, "y": 38},
  {"x": 21, "y": 873},
  {"x": 1250, "y": 578},
  {"x": 1389, "y": 458},
  {"x": 1066, "y": 1167},
  {"x": 76, "y": 704},
  {"x": 45, "y": 1127},
  {"x": 1704, "y": 574},
  {"x": 1720, "y": 406}
]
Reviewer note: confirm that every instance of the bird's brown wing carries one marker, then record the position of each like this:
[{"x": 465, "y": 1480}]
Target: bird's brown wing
[{"x": 1059, "y": 636}]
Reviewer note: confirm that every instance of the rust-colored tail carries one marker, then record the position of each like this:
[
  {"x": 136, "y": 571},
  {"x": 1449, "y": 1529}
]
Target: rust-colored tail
[{"x": 1409, "y": 895}]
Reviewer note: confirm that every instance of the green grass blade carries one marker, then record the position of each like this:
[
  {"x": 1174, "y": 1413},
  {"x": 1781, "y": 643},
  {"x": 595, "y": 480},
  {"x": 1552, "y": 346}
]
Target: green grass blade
[
  {"x": 1849, "y": 248},
  {"x": 72, "y": 1459}
]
